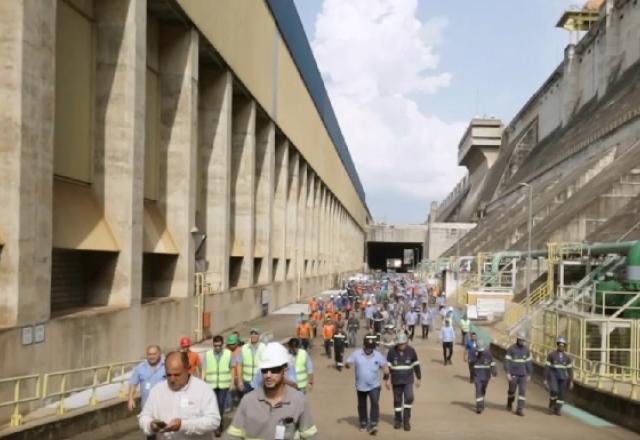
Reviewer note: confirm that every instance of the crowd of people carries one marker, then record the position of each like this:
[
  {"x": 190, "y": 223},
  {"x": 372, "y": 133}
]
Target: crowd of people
[{"x": 185, "y": 395}]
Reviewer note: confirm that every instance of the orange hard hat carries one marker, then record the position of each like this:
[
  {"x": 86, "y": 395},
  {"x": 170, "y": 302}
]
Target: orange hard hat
[{"x": 185, "y": 342}]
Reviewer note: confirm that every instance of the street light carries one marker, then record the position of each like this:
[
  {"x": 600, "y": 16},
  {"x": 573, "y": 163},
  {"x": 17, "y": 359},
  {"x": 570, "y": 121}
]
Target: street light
[{"x": 529, "y": 228}]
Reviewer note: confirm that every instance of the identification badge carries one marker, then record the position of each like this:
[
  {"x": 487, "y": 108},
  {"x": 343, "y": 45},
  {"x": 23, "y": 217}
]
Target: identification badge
[
  {"x": 147, "y": 386},
  {"x": 184, "y": 402},
  {"x": 280, "y": 431}
]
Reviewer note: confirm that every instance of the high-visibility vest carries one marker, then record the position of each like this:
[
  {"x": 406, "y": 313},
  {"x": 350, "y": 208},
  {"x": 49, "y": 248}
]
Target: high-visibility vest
[
  {"x": 301, "y": 369},
  {"x": 464, "y": 325},
  {"x": 327, "y": 331},
  {"x": 303, "y": 331},
  {"x": 218, "y": 372},
  {"x": 250, "y": 362}
]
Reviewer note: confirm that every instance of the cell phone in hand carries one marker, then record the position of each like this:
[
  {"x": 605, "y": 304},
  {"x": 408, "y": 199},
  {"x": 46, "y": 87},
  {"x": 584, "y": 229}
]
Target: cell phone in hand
[{"x": 160, "y": 424}]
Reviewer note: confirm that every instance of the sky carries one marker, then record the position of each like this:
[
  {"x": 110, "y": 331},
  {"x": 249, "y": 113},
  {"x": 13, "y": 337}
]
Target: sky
[{"x": 405, "y": 77}]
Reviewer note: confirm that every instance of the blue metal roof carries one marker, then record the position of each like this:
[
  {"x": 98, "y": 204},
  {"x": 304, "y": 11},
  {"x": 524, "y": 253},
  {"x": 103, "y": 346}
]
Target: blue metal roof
[{"x": 292, "y": 31}]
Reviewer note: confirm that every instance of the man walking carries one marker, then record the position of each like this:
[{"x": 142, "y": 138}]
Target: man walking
[
  {"x": 328, "y": 329},
  {"x": 470, "y": 354},
  {"x": 181, "y": 408},
  {"x": 274, "y": 410},
  {"x": 353, "y": 325},
  {"x": 484, "y": 367},
  {"x": 426, "y": 320},
  {"x": 302, "y": 365},
  {"x": 146, "y": 375},
  {"x": 217, "y": 368},
  {"x": 447, "y": 337},
  {"x": 558, "y": 376},
  {"x": 368, "y": 363},
  {"x": 250, "y": 354},
  {"x": 411, "y": 319},
  {"x": 517, "y": 364},
  {"x": 465, "y": 325},
  {"x": 303, "y": 332},
  {"x": 339, "y": 344},
  {"x": 403, "y": 363}
]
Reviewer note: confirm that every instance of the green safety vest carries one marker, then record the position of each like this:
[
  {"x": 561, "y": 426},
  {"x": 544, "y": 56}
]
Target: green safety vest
[
  {"x": 250, "y": 362},
  {"x": 464, "y": 325},
  {"x": 218, "y": 372},
  {"x": 301, "y": 369}
]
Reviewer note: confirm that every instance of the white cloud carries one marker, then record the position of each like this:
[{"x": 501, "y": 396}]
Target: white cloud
[{"x": 376, "y": 57}]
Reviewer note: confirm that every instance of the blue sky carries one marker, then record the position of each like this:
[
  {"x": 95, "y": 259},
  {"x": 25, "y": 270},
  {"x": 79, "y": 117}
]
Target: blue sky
[{"x": 474, "y": 58}]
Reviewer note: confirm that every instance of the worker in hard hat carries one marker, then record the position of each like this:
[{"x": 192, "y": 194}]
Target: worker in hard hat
[
  {"x": 339, "y": 346},
  {"x": 368, "y": 363},
  {"x": 404, "y": 365},
  {"x": 484, "y": 367},
  {"x": 517, "y": 364},
  {"x": 301, "y": 365},
  {"x": 194, "y": 359},
  {"x": 274, "y": 410},
  {"x": 328, "y": 329},
  {"x": 303, "y": 332},
  {"x": 388, "y": 338},
  {"x": 249, "y": 357},
  {"x": 558, "y": 375}
]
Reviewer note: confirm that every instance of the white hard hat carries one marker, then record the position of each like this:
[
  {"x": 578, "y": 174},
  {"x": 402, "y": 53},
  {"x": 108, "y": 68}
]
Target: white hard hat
[
  {"x": 402, "y": 338},
  {"x": 274, "y": 355}
]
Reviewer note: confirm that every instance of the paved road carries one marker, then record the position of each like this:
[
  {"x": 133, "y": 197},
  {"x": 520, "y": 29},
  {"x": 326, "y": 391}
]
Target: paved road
[{"x": 444, "y": 404}]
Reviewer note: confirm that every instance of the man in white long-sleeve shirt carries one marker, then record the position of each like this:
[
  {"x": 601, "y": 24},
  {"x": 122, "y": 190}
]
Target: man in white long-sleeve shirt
[{"x": 181, "y": 407}]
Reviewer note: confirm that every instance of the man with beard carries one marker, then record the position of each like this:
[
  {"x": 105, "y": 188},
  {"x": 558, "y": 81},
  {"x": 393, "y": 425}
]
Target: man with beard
[
  {"x": 275, "y": 410},
  {"x": 181, "y": 408}
]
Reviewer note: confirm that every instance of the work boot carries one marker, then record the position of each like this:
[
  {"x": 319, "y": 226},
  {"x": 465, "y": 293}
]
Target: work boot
[
  {"x": 397, "y": 424},
  {"x": 557, "y": 410},
  {"x": 478, "y": 410},
  {"x": 520, "y": 413},
  {"x": 373, "y": 430},
  {"x": 510, "y": 404},
  {"x": 407, "y": 426},
  {"x": 551, "y": 404}
]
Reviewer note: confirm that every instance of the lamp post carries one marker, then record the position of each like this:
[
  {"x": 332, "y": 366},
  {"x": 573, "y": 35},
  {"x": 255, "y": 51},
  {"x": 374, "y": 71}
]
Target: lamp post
[{"x": 529, "y": 228}]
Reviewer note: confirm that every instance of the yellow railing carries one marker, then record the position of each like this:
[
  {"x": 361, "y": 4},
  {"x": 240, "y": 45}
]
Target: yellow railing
[
  {"x": 620, "y": 380},
  {"x": 18, "y": 398},
  {"x": 43, "y": 389},
  {"x": 463, "y": 290},
  {"x": 112, "y": 373},
  {"x": 515, "y": 311}
]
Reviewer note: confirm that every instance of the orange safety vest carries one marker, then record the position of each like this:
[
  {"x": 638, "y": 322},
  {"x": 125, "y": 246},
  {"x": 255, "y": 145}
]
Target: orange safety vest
[
  {"x": 329, "y": 307},
  {"x": 313, "y": 305},
  {"x": 303, "y": 331},
  {"x": 327, "y": 331}
]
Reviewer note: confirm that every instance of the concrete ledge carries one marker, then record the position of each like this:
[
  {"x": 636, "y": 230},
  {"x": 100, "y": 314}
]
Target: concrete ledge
[
  {"x": 616, "y": 409},
  {"x": 111, "y": 419}
]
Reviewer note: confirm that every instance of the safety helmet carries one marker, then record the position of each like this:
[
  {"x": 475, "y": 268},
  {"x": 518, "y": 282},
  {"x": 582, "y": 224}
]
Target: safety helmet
[
  {"x": 185, "y": 342},
  {"x": 370, "y": 341},
  {"x": 402, "y": 338},
  {"x": 254, "y": 331},
  {"x": 521, "y": 336},
  {"x": 274, "y": 355},
  {"x": 481, "y": 346},
  {"x": 561, "y": 340},
  {"x": 390, "y": 326},
  {"x": 232, "y": 339}
]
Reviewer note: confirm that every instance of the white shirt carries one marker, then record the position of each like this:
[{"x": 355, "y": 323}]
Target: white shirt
[{"x": 195, "y": 405}]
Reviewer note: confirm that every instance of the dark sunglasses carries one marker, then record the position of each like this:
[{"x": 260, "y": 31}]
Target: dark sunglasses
[
  {"x": 273, "y": 370},
  {"x": 217, "y": 345}
]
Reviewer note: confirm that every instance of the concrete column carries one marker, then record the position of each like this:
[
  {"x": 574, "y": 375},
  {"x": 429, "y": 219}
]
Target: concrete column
[
  {"x": 301, "y": 230},
  {"x": 279, "y": 226},
  {"x": 309, "y": 222},
  {"x": 178, "y": 146},
  {"x": 120, "y": 137},
  {"x": 264, "y": 183},
  {"x": 293, "y": 194},
  {"x": 243, "y": 155},
  {"x": 214, "y": 127},
  {"x": 27, "y": 91}
]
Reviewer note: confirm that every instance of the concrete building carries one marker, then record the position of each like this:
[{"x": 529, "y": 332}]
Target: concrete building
[
  {"x": 575, "y": 142},
  {"x": 143, "y": 142},
  {"x": 398, "y": 242}
]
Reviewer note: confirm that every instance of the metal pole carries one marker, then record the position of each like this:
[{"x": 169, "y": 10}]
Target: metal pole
[{"x": 529, "y": 228}]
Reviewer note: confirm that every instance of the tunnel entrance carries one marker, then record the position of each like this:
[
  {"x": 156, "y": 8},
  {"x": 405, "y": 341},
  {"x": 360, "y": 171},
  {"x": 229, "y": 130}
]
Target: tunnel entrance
[{"x": 379, "y": 252}]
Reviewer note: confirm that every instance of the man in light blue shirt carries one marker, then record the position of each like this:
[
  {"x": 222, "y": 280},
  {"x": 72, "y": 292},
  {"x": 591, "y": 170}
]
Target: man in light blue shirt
[
  {"x": 447, "y": 336},
  {"x": 368, "y": 363},
  {"x": 145, "y": 375}
]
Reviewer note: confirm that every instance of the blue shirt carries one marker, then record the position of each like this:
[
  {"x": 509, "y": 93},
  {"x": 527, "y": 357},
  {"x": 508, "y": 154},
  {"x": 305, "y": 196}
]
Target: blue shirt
[
  {"x": 470, "y": 346},
  {"x": 447, "y": 334},
  {"x": 367, "y": 368},
  {"x": 146, "y": 376}
]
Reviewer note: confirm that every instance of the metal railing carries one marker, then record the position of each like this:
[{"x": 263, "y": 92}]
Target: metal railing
[
  {"x": 18, "y": 397},
  {"x": 54, "y": 388}
]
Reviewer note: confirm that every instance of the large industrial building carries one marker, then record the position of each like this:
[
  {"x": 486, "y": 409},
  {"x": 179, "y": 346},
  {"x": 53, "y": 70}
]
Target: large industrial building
[{"x": 160, "y": 163}]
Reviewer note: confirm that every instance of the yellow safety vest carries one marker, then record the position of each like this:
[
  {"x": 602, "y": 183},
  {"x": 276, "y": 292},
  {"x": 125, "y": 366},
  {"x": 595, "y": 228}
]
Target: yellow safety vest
[
  {"x": 464, "y": 325},
  {"x": 301, "y": 369},
  {"x": 250, "y": 362},
  {"x": 218, "y": 371}
]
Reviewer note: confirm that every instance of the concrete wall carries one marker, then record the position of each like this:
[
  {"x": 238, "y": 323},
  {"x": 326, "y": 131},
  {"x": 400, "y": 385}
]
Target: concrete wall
[
  {"x": 231, "y": 183},
  {"x": 442, "y": 236},
  {"x": 396, "y": 233}
]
